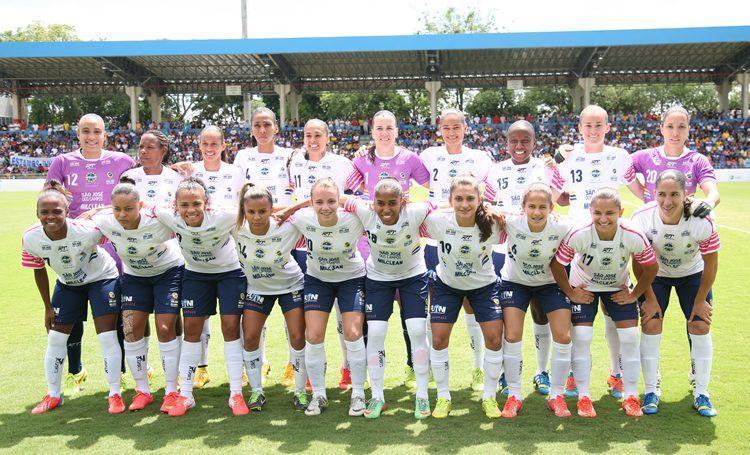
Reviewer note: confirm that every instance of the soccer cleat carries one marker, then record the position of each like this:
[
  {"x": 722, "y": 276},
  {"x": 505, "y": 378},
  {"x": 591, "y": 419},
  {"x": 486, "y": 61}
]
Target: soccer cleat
[
  {"x": 491, "y": 408},
  {"x": 704, "y": 407},
  {"x": 614, "y": 384},
  {"x": 287, "y": 379},
  {"x": 116, "y": 405},
  {"x": 650, "y": 403},
  {"x": 571, "y": 388},
  {"x": 265, "y": 368},
  {"x": 477, "y": 380},
  {"x": 237, "y": 404},
  {"x": 559, "y": 406},
  {"x": 632, "y": 406},
  {"x": 422, "y": 408},
  {"x": 48, "y": 403},
  {"x": 357, "y": 406},
  {"x": 410, "y": 379},
  {"x": 257, "y": 401},
  {"x": 442, "y": 408},
  {"x": 346, "y": 379},
  {"x": 140, "y": 401},
  {"x": 374, "y": 408},
  {"x": 511, "y": 408},
  {"x": 541, "y": 383},
  {"x": 169, "y": 401},
  {"x": 316, "y": 406},
  {"x": 301, "y": 401},
  {"x": 586, "y": 408},
  {"x": 181, "y": 406},
  {"x": 201, "y": 378},
  {"x": 504, "y": 390},
  {"x": 74, "y": 382},
  {"x": 245, "y": 380}
]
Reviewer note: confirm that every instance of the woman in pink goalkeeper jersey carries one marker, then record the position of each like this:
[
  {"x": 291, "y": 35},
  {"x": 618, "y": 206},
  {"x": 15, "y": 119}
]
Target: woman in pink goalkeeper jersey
[
  {"x": 599, "y": 253},
  {"x": 698, "y": 172},
  {"x": 89, "y": 174},
  {"x": 385, "y": 160},
  {"x": 85, "y": 275},
  {"x": 687, "y": 249}
]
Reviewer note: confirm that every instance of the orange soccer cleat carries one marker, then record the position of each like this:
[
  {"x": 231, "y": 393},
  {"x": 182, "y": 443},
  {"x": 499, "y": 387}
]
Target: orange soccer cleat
[
  {"x": 586, "y": 408},
  {"x": 511, "y": 408},
  {"x": 559, "y": 406},
  {"x": 632, "y": 406},
  {"x": 170, "y": 400},
  {"x": 116, "y": 405},
  {"x": 48, "y": 403}
]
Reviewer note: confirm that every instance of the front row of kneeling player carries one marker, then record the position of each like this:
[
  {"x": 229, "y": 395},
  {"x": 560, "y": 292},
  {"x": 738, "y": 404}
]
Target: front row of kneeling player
[{"x": 243, "y": 260}]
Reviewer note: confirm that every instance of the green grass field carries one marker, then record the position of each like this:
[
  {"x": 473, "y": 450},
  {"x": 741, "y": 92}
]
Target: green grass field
[{"x": 83, "y": 423}]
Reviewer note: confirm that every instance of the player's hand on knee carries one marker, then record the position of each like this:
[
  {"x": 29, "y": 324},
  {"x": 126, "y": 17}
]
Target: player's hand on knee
[{"x": 703, "y": 311}]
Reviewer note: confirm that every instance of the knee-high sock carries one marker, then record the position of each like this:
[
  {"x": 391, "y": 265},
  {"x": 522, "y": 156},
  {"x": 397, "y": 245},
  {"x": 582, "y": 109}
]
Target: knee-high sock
[
  {"x": 493, "y": 362},
  {"x": 74, "y": 348},
  {"x": 137, "y": 357},
  {"x": 233, "y": 359},
  {"x": 170, "y": 362},
  {"x": 650, "y": 360},
  {"x": 112, "y": 360},
  {"x": 440, "y": 371},
  {"x": 513, "y": 363},
  {"x": 355, "y": 351},
  {"x": 407, "y": 339},
  {"x": 253, "y": 367},
  {"x": 420, "y": 354},
  {"x": 190, "y": 355},
  {"x": 54, "y": 361},
  {"x": 581, "y": 358},
  {"x": 630, "y": 360},
  {"x": 315, "y": 361},
  {"x": 376, "y": 357},
  {"x": 340, "y": 329},
  {"x": 542, "y": 341},
  {"x": 613, "y": 344},
  {"x": 560, "y": 367},
  {"x": 300, "y": 370},
  {"x": 205, "y": 338},
  {"x": 476, "y": 339},
  {"x": 702, "y": 353}
]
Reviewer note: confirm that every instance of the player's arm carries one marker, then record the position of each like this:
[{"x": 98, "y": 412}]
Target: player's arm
[
  {"x": 703, "y": 207},
  {"x": 42, "y": 285},
  {"x": 645, "y": 278},
  {"x": 637, "y": 188},
  {"x": 281, "y": 213},
  {"x": 576, "y": 295},
  {"x": 701, "y": 306}
]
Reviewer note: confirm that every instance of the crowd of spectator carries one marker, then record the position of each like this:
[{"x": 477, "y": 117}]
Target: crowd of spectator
[{"x": 724, "y": 139}]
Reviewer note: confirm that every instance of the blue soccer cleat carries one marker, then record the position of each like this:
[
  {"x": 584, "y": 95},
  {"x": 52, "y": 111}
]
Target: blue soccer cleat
[
  {"x": 571, "y": 388},
  {"x": 504, "y": 385},
  {"x": 650, "y": 404},
  {"x": 541, "y": 383},
  {"x": 704, "y": 407}
]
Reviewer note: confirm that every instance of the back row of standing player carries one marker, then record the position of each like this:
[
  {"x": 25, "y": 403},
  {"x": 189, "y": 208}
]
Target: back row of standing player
[{"x": 591, "y": 166}]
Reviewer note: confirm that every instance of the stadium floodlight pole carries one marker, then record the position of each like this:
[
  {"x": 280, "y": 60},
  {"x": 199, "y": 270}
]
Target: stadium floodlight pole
[{"x": 246, "y": 97}]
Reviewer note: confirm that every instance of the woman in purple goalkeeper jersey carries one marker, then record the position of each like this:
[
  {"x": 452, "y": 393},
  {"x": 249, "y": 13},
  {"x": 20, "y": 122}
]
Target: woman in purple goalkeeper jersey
[
  {"x": 385, "y": 159},
  {"x": 89, "y": 174},
  {"x": 675, "y": 128}
]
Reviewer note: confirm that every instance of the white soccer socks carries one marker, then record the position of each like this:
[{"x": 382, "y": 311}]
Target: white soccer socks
[
  {"x": 702, "y": 354},
  {"x": 493, "y": 364},
  {"x": 476, "y": 339},
  {"x": 112, "y": 360},
  {"x": 420, "y": 354},
  {"x": 513, "y": 361},
  {"x": 560, "y": 367},
  {"x": 297, "y": 359},
  {"x": 233, "y": 359},
  {"x": 253, "y": 367},
  {"x": 630, "y": 358},
  {"x": 190, "y": 355},
  {"x": 315, "y": 361},
  {"x": 376, "y": 333},
  {"x": 650, "y": 360},
  {"x": 581, "y": 358},
  {"x": 170, "y": 361},
  {"x": 542, "y": 341},
  {"x": 440, "y": 371},
  {"x": 54, "y": 361},
  {"x": 355, "y": 351},
  {"x": 136, "y": 355}
]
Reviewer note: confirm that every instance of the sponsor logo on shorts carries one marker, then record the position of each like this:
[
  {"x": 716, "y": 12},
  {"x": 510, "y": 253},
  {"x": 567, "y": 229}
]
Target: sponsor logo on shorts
[
  {"x": 437, "y": 309},
  {"x": 187, "y": 303},
  {"x": 112, "y": 299},
  {"x": 311, "y": 298}
]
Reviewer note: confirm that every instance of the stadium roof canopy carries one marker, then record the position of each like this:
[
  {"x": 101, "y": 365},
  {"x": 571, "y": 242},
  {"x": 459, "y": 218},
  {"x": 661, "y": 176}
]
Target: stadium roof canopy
[{"x": 681, "y": 55}]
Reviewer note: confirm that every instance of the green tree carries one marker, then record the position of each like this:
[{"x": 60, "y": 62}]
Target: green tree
[
  {"x": 37, "y": 31},
  {"x": 493, "y": 101}
]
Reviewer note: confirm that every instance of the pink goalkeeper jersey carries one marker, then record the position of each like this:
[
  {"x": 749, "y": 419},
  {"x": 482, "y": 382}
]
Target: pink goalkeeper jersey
[
  {"x": 404, "y": 166},
  {"x": 652, "y": 162},
  {"x": 90, "y": 181}
]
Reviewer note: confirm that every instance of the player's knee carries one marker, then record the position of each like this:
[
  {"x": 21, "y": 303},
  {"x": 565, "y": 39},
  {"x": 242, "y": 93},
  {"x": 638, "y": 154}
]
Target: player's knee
[
  {"x": 512, "y": 335},
  {"x": 652, "y": 327},
  {"x": 698, "y": 328},
  {"x": 561, "y": 337},
  {"x": 493, "y": 341},
  {"x": 439, "y": 341}
]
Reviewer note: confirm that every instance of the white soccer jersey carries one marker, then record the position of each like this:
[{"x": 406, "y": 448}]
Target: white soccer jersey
[
  {"x": 303, "y": 173},
  {"x": 267, "y": 259},
  {"x": 77, "y": 259},
  {"x": 395, "y": 250},
  {"x": 582, "y": 174},
  {"x": 465, "y": 261},
  {"x": 332, "y": 253},
  {"x": 223, "y": 185},
  {"x": 679, "y": 247},
  {"x": 269, "y": 170},
  {"x": 148, "y": 250},
  {"x": 530, "y": 253},
  {"x": 601, "y": 266},
  {"x": 443, "y": 166},
  {"x": 156, "y": 189},
  {"x": 208, "y": 248}
]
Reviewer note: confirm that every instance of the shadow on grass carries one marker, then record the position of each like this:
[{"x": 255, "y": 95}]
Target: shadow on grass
[{"x": 83, "y": 421}]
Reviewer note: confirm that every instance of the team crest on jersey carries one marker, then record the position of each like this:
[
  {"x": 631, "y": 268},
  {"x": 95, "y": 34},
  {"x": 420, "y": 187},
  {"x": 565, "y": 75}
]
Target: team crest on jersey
[
  {"x": 390, "y": 240},
  {"x": 534, "y": 253},
  {"x": 452, "y": 173},
  {"x": 151, "y": 194},
  {"x": 109, "y": 174},
  {"x": 264, "y": 171},
  {"x": 196, "y": 241},
  {"x": 327, "y": 246},
  {"x": 310, "y": 179},
  {"x": 669, "y": 247},
  {"x": 521, "y": 180},
  {"x": 596, "y": 173},
  {"x": 90, "y": 177},
  {"x": 606, "y": 261},
  {"x": 259, "y": 253},
  {"x": 465, "y": 249},
  {"x": 66, "y": 259},
  {"x": 132, "y": 250}
]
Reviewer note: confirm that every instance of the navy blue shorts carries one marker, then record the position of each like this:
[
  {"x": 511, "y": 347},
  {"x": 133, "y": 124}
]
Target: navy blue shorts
[
  {"x": 69, "y": 302},
  {"x": 431, "y": 259},
  {"x": 498, "y": 261},
  {"x": 549, "y": 296},
  {"x": 447, "y": 301},
  {"x": 319, "y": 295},
  {"x": 686, "y": 288},
  {"x": 301, "y": 257},
  {"x": 587, "y": 312},
  {"x": 200, "y": 291},
  {"x": 158, "y": 294},
  {"x": 379, "y": 297},
  {"x": 263, "y": 303}
]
